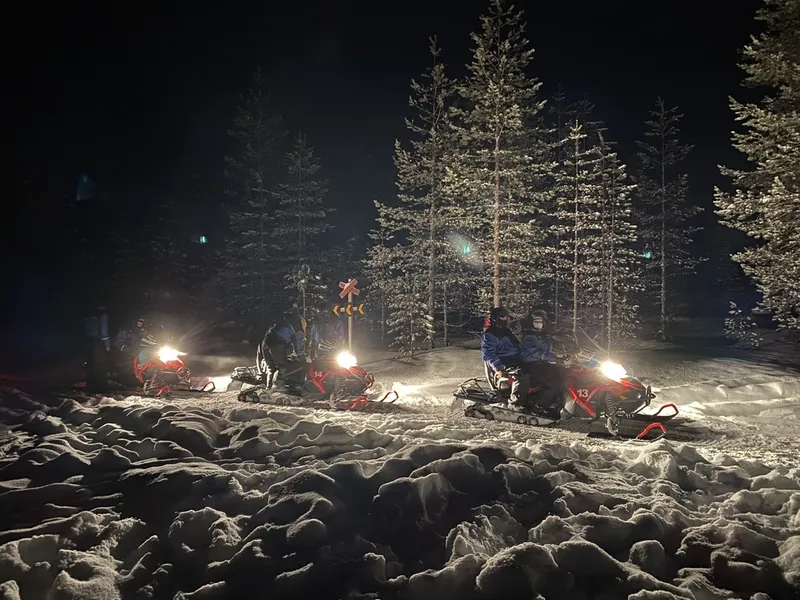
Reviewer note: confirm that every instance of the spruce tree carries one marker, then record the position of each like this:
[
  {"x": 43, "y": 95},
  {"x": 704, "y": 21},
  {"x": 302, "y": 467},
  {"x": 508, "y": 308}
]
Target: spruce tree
[
  {"x": 666, "y": 230},
  {"x": 418, "y": 217},
  {"x": 560, "y": 116},
  {"x": 248, "y": 291},
  {"x": 411, "y": 230},
  {"x": 741, "y": 327},
  {"x": 765, "y": 203},
  {"x": 495, "y": 175},
  {"x": 618, "y": 255},
  {"x": 301, "y": 217},
  {"x": 409, "y": 322},
  {"x": 378, "y": 269},
  {"x": 579, "y": 228}
]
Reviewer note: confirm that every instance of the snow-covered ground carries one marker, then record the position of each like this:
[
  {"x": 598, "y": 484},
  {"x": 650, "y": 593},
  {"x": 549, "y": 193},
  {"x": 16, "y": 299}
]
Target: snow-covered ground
[{"x": 211, "y": 498}]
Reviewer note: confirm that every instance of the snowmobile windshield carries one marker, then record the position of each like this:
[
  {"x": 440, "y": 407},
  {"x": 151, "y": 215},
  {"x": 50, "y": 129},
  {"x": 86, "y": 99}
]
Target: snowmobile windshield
[{"x": 587, "y": 345}]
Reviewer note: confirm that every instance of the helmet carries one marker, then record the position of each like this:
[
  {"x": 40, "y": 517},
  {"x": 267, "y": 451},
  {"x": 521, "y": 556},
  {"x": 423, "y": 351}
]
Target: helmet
[
  {"x": 499, "y": 316},
  {"x": 141, "y": 323},
  {"x": 538, "y": 319}
]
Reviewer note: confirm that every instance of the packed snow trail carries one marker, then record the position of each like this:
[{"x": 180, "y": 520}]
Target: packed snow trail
[{"x": 215, "y": 499}]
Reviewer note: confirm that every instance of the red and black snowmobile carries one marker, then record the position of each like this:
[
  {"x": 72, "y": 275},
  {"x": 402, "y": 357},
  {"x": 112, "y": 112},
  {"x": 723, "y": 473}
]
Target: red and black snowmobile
[
  {"x": 166, "y": 372},
  {"x": 327, "y": 381},
  {"x": 593, "y": 390}
]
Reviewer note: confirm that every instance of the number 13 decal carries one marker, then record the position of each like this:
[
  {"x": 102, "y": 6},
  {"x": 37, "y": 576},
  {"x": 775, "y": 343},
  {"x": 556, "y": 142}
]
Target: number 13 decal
[{"x": 583, "y": 393}]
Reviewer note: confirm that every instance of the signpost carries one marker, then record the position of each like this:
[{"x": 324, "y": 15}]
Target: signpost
[
  {"x": 349, "y": 290},
  {"x": 348, "y": 309}
]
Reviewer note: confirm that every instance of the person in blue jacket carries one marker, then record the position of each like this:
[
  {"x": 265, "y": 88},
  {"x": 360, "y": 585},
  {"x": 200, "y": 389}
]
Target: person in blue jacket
[
  {"x": 539, "y": 361},
  {"x": 500, "y": 349},
  {"x": 283, "y": 340}
]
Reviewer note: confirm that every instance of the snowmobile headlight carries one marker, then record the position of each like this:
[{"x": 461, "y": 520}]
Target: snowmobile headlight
[
  {"x": 346, "y": 360},
  {"x": 613, "y": 371},
  {"x": 166, "y": 354}
]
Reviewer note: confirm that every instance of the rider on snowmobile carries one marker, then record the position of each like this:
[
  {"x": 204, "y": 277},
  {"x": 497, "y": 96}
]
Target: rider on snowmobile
[
  {"x": 500, "y": 349},
  {"x": 539, "y": 361},
  {"x": 282, "y": 340}
]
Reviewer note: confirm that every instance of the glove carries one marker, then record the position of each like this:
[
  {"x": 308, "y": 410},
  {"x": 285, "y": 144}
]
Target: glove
[{"x": 500, "y": 373}]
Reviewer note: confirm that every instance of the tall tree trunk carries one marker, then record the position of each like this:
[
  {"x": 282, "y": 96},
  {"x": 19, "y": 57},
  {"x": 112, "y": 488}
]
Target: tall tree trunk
[
  {"x": 444, "y": 315},
  {"x": 611, "y": 259},
  {"x": 383, "y": 317},
  {"x": 432, "y": 267},
  {"x": 663, "y": 243},
  {"x": 575, "y": 258},
  {"x": 496, "y": 258}
]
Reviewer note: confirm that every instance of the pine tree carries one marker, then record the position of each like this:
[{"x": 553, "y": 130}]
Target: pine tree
[
  {"x": 301, "y": 217},
  {"x": 561, "y": 117},
  {"x": 409, "y": 322},
  {"x": 579, "y": 229},
  {"x": 665, "y": 231},
  {"x": 740, "y": 327},
  {"x": 619, "y": 258},
  {"x": 378, "y": 268},
  {"x": 501, "y": 159},
  {"x": 247, "y": 290},
  {"x": 765, "y": 203},
  {"x": 415, "y": 224},
  {"x": 410, "y": 236}
]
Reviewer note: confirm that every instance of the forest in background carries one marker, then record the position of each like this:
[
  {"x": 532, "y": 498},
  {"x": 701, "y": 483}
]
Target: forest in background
[{"x": 503, "y": 196}]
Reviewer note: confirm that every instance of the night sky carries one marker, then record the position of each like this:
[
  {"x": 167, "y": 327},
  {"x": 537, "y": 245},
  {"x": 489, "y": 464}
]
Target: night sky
[{"x": 133, "y": 97}]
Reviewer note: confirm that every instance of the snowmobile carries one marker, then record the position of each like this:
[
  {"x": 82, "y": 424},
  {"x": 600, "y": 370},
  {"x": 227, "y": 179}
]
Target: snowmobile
[
  {"x": 167, "y": 372},
  {"x": 164, "y": 374},
  {"x": 593, "y": 390},
  {"x": 327, "y": 381}
]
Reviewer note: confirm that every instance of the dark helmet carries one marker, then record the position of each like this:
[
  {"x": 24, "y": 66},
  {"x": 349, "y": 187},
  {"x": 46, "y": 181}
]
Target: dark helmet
[
  {"x": 499, "y": 316},
  {"x": 141, "y": 323},
  {"x": 538, "y": 320}
]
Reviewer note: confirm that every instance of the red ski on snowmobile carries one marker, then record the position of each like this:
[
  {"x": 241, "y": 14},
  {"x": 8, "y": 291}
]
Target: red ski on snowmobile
[
  {"x": 331, "y": 382},
  {"x": 592, "y": 390}
]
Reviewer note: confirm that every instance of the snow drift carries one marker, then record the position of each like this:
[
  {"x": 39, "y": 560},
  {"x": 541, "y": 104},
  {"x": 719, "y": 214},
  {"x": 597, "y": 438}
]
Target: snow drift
[{"x": 141, "y": 499}]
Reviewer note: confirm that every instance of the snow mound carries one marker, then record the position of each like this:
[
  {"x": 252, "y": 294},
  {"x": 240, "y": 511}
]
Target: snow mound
[{"x": 142, "y": 499}]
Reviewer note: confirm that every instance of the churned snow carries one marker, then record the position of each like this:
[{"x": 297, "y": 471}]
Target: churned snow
[{"x": 207, "y": 497}]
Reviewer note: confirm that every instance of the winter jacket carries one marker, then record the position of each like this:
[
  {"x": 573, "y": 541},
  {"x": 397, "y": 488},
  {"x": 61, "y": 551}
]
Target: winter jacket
[
  {"x": 499, "y": 347},
  {"x": 126, "y": 341},
  {"x": 287, "y": 333},
  {"x": 536, "y": 347},
  {"x": 96, "y": 328}
]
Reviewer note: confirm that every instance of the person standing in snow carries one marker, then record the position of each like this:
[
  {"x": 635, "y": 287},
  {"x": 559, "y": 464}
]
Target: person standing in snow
[
  {"x": 500, "y": 349},
  {"x": 97, "y": 346},
  {"x": 282, "y": 341},
  {"x": 539, "y": 361}
]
